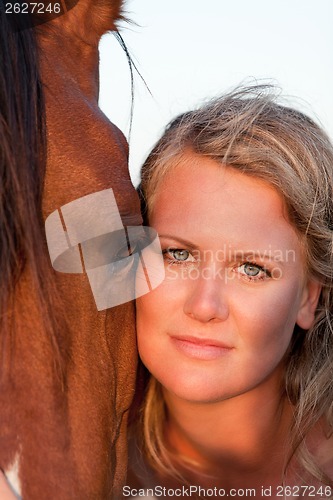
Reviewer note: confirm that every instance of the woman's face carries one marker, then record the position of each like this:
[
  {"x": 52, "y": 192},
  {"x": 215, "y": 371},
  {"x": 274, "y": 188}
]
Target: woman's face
[{"x": 222, "y": 320}]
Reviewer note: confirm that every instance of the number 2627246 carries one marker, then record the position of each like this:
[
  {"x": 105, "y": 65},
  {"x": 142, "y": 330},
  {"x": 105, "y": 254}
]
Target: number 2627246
[{"x": 33, "y": 8}]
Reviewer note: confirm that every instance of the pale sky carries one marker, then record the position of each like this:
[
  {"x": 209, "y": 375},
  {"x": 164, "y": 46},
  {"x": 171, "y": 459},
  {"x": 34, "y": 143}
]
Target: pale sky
[{"x": 189, "y": 50}]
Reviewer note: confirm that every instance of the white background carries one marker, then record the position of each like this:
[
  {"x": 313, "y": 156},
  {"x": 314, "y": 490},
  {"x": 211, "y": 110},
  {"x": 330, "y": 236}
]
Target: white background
[{"x": 188, "y": 50}]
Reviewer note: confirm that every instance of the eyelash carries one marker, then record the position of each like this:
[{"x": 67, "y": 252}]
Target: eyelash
[
  {"x": 262, "y": 269},
  {"x": 173, "y": 261}
]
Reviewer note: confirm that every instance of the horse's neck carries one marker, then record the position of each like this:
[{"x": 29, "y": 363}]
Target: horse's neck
[
  {"x": 81, "y": 140},
  {"x": 69, "y": 68},
  {"x": 69, "y": 46}
]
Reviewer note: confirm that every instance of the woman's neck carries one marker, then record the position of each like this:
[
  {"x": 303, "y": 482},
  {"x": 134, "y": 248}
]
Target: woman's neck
[{"x": 242, "y": 437}]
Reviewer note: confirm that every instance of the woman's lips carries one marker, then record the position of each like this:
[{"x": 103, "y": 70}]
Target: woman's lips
[{"x": 200, "y": 348}]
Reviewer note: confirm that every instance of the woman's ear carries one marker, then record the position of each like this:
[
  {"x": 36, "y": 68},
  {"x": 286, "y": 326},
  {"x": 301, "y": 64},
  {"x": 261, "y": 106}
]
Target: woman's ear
[{"x": 307, "y": 308}]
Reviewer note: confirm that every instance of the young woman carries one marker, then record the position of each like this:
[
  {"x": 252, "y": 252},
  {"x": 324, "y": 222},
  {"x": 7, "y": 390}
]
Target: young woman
[{"x": 238, "y": 339}]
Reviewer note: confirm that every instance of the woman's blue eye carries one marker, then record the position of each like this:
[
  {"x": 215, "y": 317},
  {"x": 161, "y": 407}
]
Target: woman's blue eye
[
  {"x": 252, "y": 270},
  {"x": 178, "y": 255}
]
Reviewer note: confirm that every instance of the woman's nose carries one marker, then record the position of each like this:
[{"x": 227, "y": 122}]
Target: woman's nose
[{"x": 206, "y": 300}]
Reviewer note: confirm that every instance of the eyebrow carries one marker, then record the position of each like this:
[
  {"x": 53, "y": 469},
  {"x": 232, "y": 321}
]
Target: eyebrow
[
  {"x": 266, "y": 255},
  {"x": 182, "y": 241}
]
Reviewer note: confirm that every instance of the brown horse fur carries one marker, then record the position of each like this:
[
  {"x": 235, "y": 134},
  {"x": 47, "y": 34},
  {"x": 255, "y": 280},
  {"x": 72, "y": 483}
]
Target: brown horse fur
[{"x": 69, "y": 431}]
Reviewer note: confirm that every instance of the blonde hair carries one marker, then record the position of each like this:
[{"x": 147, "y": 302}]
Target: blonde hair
[{"x": 249, "y": 130}]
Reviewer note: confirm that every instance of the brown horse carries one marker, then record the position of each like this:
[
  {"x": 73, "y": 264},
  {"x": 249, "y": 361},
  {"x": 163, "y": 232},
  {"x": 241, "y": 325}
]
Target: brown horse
[{"x": 65, "y": 397}]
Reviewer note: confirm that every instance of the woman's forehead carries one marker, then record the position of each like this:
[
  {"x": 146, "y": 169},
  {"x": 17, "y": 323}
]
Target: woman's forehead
[{"x": 203, "y": 198}]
